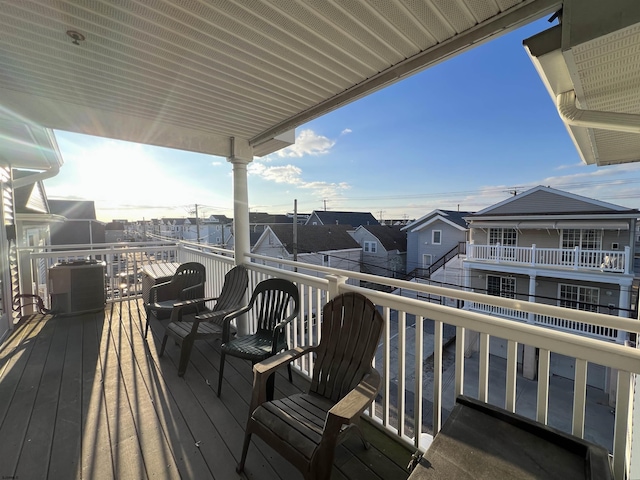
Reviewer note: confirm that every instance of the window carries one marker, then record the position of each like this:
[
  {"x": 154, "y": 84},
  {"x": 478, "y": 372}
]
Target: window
[
  {"x": 325, "y": 261},
  {"x": 589, "y": 239},
  {"x": 426, "y": 260},
  {"x": 501, "y": 286},
  {"x": 503, "y": 236},
  {"x": 436, "y": 237},
  {"x": 370, "y": 247},
  {"x": 579, "y": 298}
]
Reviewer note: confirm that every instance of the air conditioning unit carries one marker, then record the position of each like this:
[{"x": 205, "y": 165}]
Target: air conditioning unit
[{"x": 77, "y": 287}]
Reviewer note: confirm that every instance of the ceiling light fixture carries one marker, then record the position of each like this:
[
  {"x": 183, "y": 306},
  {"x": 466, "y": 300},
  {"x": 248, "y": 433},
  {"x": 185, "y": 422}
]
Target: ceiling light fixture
[{"x": 77, "y": 37}]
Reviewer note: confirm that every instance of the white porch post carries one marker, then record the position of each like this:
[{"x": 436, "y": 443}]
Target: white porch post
[{"x": 241, "y": 155}]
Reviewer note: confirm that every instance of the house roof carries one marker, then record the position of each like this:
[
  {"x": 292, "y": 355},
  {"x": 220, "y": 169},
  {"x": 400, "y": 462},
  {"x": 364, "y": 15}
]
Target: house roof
[
  {"x": 263, "y": 217},
  {"x": 391, "y": 237},
  {"x": 73, "y": 209},
  {"x": 454, "y": 217},
  {"x": 548, "y": 202},
  {"x": 315, "y": 238},
  {"x": 355, "y": 219}
]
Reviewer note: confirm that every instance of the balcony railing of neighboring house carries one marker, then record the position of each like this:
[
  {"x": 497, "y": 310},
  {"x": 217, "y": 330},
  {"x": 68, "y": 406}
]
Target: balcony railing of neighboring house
[
  {"x": 406, "y": 408},
  {"x": 595, "y": 331},
  {"x": 577, "y": 258}
]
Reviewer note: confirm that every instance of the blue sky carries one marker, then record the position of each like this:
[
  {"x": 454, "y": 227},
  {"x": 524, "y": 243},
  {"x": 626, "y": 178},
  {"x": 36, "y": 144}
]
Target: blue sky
[{"x": 460, "y": 135}]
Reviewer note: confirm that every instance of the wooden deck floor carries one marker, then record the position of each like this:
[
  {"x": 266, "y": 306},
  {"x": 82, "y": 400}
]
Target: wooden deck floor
[{"x": 86, "y": 397}]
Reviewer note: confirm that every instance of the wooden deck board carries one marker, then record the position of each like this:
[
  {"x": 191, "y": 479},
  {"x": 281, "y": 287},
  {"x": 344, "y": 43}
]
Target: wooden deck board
[{"x": 86, "y": 397}]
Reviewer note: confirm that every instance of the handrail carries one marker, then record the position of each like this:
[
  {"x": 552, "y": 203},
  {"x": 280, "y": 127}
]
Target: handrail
[{"x": 459, "y": 249}]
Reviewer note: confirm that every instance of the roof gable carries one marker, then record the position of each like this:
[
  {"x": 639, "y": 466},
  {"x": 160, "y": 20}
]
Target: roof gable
[
  {"x": 74, "y": 209},
  {"x": 455, "y": 218},
  {"x": 547, "y": 200}
]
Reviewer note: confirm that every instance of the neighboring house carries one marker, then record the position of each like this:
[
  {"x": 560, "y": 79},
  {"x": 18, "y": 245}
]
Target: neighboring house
[
  {"x": 325, "y": 245},
  {"x": 355, "y": 219},
  {"x": 557, "y": 248},
  {"x": 32, "y": 228},
  {"x": 431, "y": 237},
  {"x": 114, "y": 232},
  {"x": 80, "y": 225},
  {"x": 384, "y": 249}
]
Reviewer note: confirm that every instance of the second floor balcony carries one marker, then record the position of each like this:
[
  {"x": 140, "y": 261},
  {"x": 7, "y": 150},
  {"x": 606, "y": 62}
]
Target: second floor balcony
[
  {"x": 431, "y": 351},
  {"x": 612, "y": 261}
]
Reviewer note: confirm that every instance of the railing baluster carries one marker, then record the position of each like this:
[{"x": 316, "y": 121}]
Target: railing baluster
[
  {"x": 623, "y": 424},
  {"x": 386, "y": 359},
  {"x": 512, "y": 364},
  {"x": 417, "y": 397},
  {"x": 460, "y": 346},
  {"x": 437, "y": 376},
  {"x": 402, "y": 346},
  {"x": 579, "y": 398},
  {"x": 483, "y": 377},
  {"x": 542, "y": 404}
]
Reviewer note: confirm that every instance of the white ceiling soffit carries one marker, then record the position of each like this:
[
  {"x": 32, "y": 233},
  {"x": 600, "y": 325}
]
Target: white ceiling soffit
[
  {"x": 590, "y": 65},
  {"x": 192, "y": 74}
]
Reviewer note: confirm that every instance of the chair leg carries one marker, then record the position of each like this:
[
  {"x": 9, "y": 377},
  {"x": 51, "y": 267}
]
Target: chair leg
[
  {"x": 289, "y": 370},
  {"x": 245, "y": 449},
  {"x": 220, "y": 372},
  {"x": 164, "y": 344},
  {"x": 185, "y": 355}
]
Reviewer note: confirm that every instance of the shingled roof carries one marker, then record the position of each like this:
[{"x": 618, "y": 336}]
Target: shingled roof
[
  {"x": 315, "y": 238},
  {"x": 355, "y": 219},
  {"x": 391, "y": 236}
]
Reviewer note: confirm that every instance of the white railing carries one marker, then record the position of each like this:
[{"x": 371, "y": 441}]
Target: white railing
[
  {"x": 571, "y": 326},
  {"x": 501, "y": 311},
  {"x": 414, "y": 401},
  {"x": 576, "y": 258}
]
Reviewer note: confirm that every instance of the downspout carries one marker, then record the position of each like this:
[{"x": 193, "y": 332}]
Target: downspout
[{"x": 572, "y": 115}]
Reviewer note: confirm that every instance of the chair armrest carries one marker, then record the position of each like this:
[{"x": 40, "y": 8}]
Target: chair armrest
[
  {"x": 162, "y": 291},
  {"x": 278, "y": 328},
  {"x": 355, "y": 402},
  {"x": 192, "y": 291},
  {"x": 262, "y": 371},
  {"x": 178, "y": 307}
]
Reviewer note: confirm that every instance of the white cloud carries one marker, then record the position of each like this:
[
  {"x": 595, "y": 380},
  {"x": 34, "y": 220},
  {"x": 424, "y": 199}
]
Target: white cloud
[
  {"x": 345, "y": 131},
  {"x": 307, "y": 143},
  {"x": 216, "y": 164}
]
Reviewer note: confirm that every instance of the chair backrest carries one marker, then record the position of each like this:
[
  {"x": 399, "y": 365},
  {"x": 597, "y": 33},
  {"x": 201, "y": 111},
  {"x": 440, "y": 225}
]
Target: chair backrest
[
  {"x": 350, "y": 334},
  {"x": 270, "y": 301},
  {"x": 188, "y": 275},
  {"x": 235, "y": 284}
]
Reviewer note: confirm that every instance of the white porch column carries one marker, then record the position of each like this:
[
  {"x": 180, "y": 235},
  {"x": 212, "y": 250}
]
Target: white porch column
[{"x": 241, "y": 156}]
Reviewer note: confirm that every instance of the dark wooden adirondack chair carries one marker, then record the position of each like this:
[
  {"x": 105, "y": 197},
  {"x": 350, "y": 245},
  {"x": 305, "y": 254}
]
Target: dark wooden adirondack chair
[
  {"x": 270, "y": 301},
  {"x": 207, "y": 325},
  {"x": 305, "y": 428},
  {"x": 187, "y": 284}
]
